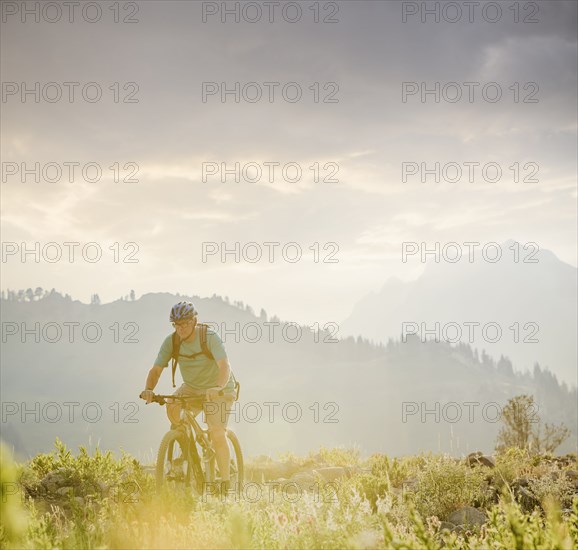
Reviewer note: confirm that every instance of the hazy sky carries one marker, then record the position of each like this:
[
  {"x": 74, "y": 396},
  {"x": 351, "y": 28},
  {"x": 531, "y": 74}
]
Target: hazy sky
[{"x": 369, "y": 132}]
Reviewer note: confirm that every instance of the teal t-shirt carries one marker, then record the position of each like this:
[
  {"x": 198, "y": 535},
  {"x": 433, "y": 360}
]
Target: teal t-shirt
[{"x": 199, "y": 372}]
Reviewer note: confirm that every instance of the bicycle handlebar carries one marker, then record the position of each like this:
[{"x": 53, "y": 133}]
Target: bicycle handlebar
[{"x": 161, "y": 399}]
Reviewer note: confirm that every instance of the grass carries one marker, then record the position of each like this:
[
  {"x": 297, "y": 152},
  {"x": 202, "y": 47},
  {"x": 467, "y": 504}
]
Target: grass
[{"x": 381, "y": 503}]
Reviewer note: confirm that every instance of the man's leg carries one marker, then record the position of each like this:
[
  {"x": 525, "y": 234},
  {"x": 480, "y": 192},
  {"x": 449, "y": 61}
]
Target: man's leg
[
  {"x": 217, "y": 416},
  {"x": 174, "y": 407},
  {"x": 219, "y": 440}
]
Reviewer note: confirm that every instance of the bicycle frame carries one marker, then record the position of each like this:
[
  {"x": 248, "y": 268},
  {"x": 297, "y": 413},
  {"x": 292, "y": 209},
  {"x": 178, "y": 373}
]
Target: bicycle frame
[
  {"x": 194, "y": 433},
  {"x": 201, "y": 436},
  {"x": 204, "y": 467}
]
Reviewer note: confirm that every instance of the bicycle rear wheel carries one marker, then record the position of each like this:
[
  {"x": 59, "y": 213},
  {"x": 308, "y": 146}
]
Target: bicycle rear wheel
[
  {"x": 237, "y": 467},
  {"x": 176, "y": 465}
]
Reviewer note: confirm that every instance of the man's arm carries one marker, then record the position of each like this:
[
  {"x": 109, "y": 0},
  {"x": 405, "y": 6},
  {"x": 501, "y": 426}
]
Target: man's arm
[
  {"x": 222, "y": 378},
  {"x": 160, "y": 363},
  {"x": 224, "y": 372},
  {"x": 152, "y": 380}
]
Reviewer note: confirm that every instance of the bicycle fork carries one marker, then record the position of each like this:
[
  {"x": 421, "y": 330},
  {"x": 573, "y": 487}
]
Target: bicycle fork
[{"x": 208, "y": 456}]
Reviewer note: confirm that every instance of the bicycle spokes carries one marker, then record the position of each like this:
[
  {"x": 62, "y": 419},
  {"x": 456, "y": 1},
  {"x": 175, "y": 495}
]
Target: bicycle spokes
[{"x": 176, "y": 467}]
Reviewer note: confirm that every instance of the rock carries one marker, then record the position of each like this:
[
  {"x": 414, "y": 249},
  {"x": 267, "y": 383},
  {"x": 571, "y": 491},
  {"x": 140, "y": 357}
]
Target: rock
[
  {"x": 303, "y": 477},
  {"x": 288, "y": 468},
  {"x": 65, "y": 491},
  {"x": 572, "y": 475},
  {"x": 259, "y": 473},
  {"x": 446, "y": 525},
  {"x": 473, "y": 457},
  {"x": 467, "y": 516},
  {"x": 460, "y": 530},
  {"x": 488, "y": 461},
  {"x": 526, "y": 499},
  {"x": 566, "y": 460},
  {"x": 494, "y": 495},
  {"x": 304, "y": 480},
  {"x": 521, "y": 482},
  {"x": 409, "y": 484},
  {"x": 52, "y": 481},
  {"x": 478, "y": 458},
  {"x": 332, "y": 473},
  {"x": 269, "y": 471},
  {"x": 290, "y": 488},
  {"x": 53, "y": 478},
  {"x": 89, "y": 488}
]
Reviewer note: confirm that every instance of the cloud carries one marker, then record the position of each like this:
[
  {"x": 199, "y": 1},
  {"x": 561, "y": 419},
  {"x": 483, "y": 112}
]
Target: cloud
[{"x": 368, "y": 134}]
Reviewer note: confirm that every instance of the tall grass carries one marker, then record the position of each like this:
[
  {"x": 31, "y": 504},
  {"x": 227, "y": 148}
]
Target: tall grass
[{"x": 382, "y": 503}]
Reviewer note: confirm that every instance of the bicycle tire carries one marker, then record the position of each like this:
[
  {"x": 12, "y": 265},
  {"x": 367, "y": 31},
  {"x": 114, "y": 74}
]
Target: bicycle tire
[
  {"x": 165, "y": 456},
  {"x": 239, "y": 460}
]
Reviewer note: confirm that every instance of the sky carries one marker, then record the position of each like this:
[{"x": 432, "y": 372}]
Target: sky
[{"x": 360, "y": 137}]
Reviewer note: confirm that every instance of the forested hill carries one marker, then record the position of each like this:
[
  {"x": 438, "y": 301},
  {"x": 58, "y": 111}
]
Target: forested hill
[{"x": 398, "y": 398}]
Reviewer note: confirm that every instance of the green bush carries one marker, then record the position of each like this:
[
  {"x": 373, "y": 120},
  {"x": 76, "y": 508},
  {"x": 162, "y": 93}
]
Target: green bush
[
  {"x": 445, "y": 485},
  {"x": 87, "y": 474},
  {"x": 370, "y": 510}
]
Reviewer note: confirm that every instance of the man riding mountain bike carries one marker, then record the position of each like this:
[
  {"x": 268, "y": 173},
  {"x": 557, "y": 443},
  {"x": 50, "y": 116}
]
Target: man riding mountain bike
[{"x": 205, "y": 370}]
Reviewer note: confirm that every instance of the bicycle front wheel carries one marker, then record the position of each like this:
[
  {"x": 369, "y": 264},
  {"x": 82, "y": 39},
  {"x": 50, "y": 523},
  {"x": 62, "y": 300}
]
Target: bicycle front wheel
[{"x": 175, "y": 464}]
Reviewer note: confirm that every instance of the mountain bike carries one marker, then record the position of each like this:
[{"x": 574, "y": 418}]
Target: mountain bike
[{"x": 186, "y": 456}]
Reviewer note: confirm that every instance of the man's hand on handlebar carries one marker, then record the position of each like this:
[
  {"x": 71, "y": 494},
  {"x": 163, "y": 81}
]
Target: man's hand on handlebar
[
  {"x": 210, "y": 394},
  {"x": 147, "y": 395}
]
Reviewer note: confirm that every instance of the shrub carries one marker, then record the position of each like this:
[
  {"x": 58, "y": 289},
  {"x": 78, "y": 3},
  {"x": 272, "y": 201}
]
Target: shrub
[{"x": 446, "y": 485}]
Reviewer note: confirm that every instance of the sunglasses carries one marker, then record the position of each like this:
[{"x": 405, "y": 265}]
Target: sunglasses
[{"x": 182, "y": 324}]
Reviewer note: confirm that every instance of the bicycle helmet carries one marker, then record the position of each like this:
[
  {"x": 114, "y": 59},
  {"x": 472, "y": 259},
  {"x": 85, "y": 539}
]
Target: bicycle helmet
[{"x": 182, "y": 311}]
